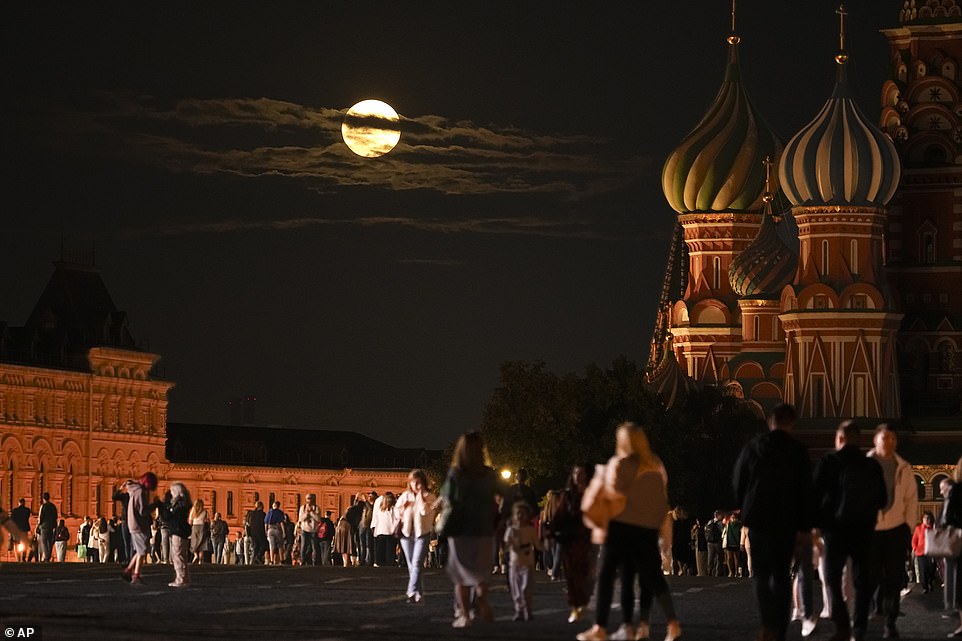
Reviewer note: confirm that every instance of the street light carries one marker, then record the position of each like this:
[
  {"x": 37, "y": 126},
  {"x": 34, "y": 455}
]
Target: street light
[{"x": 505, "y": 474}]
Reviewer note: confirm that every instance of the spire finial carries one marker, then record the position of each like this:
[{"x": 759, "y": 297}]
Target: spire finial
[
  {"x": 768, "y": 197},
  {"x": 842, "y": 56},
  {"x": 733, "y": 38}
]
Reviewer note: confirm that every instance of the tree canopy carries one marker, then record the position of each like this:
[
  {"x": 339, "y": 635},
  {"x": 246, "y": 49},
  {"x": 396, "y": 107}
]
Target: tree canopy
[{"x": 547, "y": 422}]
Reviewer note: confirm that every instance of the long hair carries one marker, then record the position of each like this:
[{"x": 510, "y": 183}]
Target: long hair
[
  {"x": 631, "y": 440},
  {"x": 198, "y": 506},
  {"x": 420, "y": 475},
  {"x": 470, "y": 456}
]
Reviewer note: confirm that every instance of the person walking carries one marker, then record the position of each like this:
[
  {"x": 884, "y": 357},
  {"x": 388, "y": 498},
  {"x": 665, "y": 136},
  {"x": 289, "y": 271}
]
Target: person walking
[
  {"x": 638, "y": 475},
  {"x": 176, "y": 510},
  {"x": 415, "y": 511},
  {"x": 20, "y": 516},
  {"x": 199, "y": 531},
  {"x": 140, "y": 504},
  {"x": 274, "y": 524},
  {"x": 521, "y": 540},
  {"x": 218, "y": 536},
  {"x": 61, "y": 537},
  {"x": 469, "y": 524},
  {"x": 573, "y": 540},
  {"x": 308, "y": 518},
  {"x": 848, "y": 491},
  {"x": 952, "y": 516},
  {"x": 773, "y": 485},
  {"x": 893, "y": 530},
  {"x": 925, "y": 565},
  {"x": 46, "y": 524}
]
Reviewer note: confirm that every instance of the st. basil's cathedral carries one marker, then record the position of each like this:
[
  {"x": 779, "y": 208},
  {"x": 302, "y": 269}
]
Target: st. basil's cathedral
[{"x": 826, "y": 271}]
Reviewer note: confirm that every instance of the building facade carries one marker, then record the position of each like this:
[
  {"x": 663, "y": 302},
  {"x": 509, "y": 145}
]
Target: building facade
[{"x": 81, "y": 412}]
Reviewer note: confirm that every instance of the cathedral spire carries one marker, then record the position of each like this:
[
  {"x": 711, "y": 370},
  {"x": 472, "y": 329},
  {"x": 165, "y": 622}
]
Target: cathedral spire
[{"x": 842, "y": 56}]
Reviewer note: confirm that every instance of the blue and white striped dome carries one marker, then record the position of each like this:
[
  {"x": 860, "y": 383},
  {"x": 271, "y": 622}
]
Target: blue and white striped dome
[{"x": 840, "y": 158}]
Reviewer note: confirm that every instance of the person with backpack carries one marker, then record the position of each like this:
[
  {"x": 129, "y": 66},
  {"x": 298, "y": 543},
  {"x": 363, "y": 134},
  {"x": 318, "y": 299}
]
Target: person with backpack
[
  {"x": 325, "y": 537},
  {"x": 713, "y": 538},
  {"x": 849, "y": 490}
]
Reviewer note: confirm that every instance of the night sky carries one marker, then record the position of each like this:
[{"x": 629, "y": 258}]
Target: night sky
[{"x": 197, "y": 147}]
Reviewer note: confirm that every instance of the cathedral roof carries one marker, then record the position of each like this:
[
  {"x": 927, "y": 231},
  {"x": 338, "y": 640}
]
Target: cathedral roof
[
  {"x": 766, "y": 265},
  {"x": 718, "y": 166},
  {"x": 73, "y": 314},
  {"x": 840, "y": 157},
  {"x": 667, "y": 379},
  {"x": 257, "y": 446}
]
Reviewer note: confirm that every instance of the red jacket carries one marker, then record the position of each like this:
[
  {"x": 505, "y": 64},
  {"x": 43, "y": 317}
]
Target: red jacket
[{"x": 918, "y": 539}]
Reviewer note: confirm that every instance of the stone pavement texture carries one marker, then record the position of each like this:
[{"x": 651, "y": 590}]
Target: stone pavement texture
[{"x": 77, "y": 601}]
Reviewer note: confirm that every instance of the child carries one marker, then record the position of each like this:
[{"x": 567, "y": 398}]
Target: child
[
  {"x": 141, "y": 504},
  {"x": 521, "y": 540},
  {"x": 175, "y": 509}
]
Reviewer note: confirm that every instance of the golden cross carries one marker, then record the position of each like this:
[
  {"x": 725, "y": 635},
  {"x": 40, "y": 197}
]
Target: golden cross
[
  {"x": 733, "y": 38},
  {"x": 842, "y": 57}
]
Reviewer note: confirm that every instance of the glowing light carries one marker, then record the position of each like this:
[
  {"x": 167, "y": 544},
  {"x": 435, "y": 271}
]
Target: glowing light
[
  {"x": 505, "y": 474},
  {"x": 371, "y": 128}
]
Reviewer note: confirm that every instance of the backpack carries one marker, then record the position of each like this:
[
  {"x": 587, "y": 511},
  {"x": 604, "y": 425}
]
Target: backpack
[
  {"x": 322, "y": 530},
  {"x": 713, "y": 532}
]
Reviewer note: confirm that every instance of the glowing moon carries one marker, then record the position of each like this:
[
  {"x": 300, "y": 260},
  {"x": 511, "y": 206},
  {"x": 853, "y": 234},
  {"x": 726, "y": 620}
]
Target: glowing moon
[{"x": 371, "y": 128}]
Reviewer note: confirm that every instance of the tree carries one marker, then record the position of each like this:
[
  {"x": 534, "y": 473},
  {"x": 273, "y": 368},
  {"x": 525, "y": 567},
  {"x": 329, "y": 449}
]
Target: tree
[{"x": 547, "y": 423}]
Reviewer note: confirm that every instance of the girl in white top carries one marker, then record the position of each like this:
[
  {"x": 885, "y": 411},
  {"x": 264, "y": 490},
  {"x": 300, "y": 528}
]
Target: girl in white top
[
  {"x": 383, "y": 524},
  {"x": 415, "y": 509},
  {"x": 199, "y": 530}
]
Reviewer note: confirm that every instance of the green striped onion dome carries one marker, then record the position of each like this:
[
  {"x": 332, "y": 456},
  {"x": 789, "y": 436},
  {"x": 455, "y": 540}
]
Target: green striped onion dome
[
  {"x": 718, "y": 166},
  {"x": 840, "y": 158},
  {"x": 765, "y": 266}
]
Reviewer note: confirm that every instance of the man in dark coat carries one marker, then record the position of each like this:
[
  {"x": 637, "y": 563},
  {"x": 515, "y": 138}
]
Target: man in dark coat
[
  {"x": 20, "y": 515},
  {"x": 849, "y": 491},
  {"x": 773, "y": 485}
]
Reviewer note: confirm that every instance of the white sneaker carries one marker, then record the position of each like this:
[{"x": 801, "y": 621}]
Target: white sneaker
[
  {"x": 624, "y": 633},
  {"x": 808, "y": 626},
  {"x": 461, "y": 622}
]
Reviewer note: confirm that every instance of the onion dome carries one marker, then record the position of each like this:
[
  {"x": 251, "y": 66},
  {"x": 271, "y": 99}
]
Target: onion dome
[
  {"x": 718, "y": 166},
  {"x": 840, "y": 158},
  {"x": 768, "y": 263}
]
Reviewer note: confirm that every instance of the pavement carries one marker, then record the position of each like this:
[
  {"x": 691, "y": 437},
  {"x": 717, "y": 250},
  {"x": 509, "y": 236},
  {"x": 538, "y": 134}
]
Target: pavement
[{"x": 87, "y": 601}]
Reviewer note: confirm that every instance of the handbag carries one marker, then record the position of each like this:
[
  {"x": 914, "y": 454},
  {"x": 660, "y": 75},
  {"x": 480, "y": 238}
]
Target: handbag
[
  {"x": 943, "y": 542},
  {"x": 598, "y": 506},
  {"x": 81, "y": 551}
]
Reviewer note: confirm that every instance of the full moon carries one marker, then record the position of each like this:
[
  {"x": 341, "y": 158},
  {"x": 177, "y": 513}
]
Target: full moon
[{"x": 371, "y": 128}]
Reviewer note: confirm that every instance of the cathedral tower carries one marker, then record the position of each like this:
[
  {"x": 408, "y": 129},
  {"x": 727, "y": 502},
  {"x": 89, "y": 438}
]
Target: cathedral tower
[
  {"x": 840, "y": 172},
  {"x": 715, "y": 181}
]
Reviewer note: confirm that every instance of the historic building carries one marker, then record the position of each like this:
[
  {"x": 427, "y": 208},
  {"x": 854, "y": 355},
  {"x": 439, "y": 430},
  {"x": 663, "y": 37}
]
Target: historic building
[
  {"x": 81, "y": 412},
  {"x": 835, "y": 286}
]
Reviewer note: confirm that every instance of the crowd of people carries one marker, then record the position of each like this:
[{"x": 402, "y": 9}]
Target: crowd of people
[{"x": 851, "y": 520}]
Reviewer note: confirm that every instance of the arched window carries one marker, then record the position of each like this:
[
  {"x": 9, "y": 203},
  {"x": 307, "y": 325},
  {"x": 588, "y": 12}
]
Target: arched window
[
  {"x": 928, "y": 248},
  {"x": 271, "y": 501},
  {"x": 824, "y": 258},
  {"x": 854, "y": 256},
  {"x": 920, "y": 487},
  {"x": 716, "y": 272},
  {"x": 756, "y": 328},
  {"x": 213, "y": 501}
]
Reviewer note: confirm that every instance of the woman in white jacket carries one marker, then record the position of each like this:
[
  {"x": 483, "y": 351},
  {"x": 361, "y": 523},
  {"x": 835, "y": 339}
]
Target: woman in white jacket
[
  {"x": 383, "y": 524},
  {"x": 415, "y": 509}
]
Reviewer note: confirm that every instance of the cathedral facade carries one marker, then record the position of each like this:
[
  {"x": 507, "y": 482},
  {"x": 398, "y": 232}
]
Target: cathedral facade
[{"x": 825, "y": 271}]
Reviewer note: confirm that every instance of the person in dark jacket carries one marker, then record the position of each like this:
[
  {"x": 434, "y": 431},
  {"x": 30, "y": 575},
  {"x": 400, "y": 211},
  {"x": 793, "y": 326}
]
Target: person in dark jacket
[
  {"x": 849, "y": 491},
  {"x": 46, "y": 524},
  {"x": 773, "y": 485}
]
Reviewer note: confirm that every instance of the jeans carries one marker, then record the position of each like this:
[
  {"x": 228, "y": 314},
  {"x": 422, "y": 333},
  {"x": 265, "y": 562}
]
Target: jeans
[
  {"x": 639, "y": 546},
  {"x": 889, "y": 548},
  {"x": 324, "y": 546},
  {"x": 365, "y": 546},
  {"x": 715, "y": 559},
  {"x": 840, "y": 545},
  {"x": 309, "y": 548},
  {"x": 165, "y": 544},
  {"x": 46, "y": 544},
  {"x": 949, "y": 571},
  {"x": 218, "y": 550},
  {"x": 772, "y": 581},
  {"x": 415, "y": 549}
]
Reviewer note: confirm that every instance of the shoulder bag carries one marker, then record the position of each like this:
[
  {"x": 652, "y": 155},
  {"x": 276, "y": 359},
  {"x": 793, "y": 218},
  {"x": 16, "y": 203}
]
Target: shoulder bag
[{"x": 943, "y": 542}]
